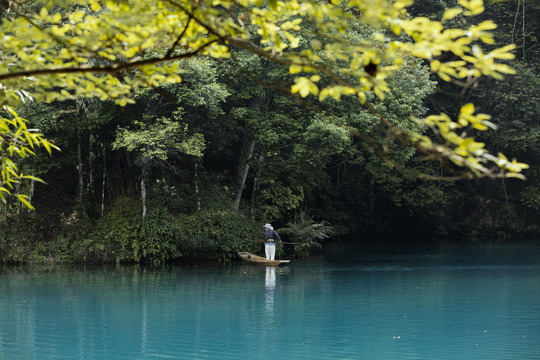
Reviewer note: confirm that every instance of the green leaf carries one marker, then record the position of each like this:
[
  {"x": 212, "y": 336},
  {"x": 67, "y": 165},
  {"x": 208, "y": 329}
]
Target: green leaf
[
  {"x": 24, "y": 200},
  {"x": 272, "y": 4}
]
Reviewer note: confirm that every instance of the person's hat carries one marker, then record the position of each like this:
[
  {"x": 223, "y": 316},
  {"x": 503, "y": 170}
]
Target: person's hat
[{"x": 268, "y": 226}]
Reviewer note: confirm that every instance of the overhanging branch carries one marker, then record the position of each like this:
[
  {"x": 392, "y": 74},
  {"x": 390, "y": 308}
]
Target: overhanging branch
[{"x": 103, "y": 69}]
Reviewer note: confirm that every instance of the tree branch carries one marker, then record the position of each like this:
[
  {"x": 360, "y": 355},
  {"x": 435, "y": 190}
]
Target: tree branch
[
  {"x": 107, "y": 69},
  {"x": 169, "y": 54}
]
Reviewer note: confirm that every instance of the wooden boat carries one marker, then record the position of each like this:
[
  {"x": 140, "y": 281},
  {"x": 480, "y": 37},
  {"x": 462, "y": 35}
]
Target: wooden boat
[{"x": 259, "y": 260}]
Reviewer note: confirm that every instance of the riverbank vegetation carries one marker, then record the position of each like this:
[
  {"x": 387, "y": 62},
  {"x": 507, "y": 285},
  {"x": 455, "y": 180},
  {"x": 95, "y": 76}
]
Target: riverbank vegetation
[{"x": 183, "y": 128}]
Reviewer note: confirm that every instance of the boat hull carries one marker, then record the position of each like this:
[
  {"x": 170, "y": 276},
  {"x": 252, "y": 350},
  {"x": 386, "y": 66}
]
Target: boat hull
[{"x": 259, "y": 260}]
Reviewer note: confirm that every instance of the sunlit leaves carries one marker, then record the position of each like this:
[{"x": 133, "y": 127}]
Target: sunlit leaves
[
  {"x": 479, "y": 122},
  {"x": 481, "y": 31},
  {"x": 484, "y": 64},
  {"x": 474, "y": 7},
  {"x": 95, "y": 6},
  {"x": 106, "y": 49},
  {"x": 462, "y": 149},
  {"x": 447, "y": 70},
  {"x": 305, "y": 86},
  {"x": 16, "y": 143},
  {"x": 451, "y": 13},
  {"x": 105, "y": 42},
  {"x": 336, "y": 92},
  {"x": 115, "y": 37},
  {"x": 24, "y": 199},
  {"x": 431, "y": 40},
  {"x": 159, "y": 140}
]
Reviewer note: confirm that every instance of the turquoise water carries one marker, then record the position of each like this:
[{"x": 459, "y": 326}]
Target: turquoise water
[{"x": 450, "y": 301}]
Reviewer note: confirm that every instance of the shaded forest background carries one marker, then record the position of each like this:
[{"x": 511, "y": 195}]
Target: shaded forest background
[{"x": 195, "y": 169}]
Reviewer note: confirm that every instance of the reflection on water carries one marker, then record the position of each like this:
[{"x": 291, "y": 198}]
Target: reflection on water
[
  {"x": 269, "y": 289},
  {"x": 144, "y": 324},
  {"x": 438, "y": 302}
]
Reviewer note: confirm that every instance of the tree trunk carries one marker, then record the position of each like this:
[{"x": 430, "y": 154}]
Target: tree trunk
[
  {"x": 243, "y": 169},
  {"x": 196, "y": 182},
  {"x": 371, "y": 196},
  {"x": 82, "y": 200},
  {"x": 91, "y": 156},
  {"x": 256, "y": 186},
  {"x": 103, "y": 180},
  {"x": 31, "y": 193},
  {"x": 144, "y": 178}
]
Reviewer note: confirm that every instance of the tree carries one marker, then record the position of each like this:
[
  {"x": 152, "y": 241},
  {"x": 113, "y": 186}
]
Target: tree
[
  {"x": 66, "y": 50},
  {"x": 157, "y": 142}
]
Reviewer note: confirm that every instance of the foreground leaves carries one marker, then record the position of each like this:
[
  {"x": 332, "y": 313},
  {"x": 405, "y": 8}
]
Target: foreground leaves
[
  {"x": 16, "y": 143},
  {"x": 105, "y": 49}
]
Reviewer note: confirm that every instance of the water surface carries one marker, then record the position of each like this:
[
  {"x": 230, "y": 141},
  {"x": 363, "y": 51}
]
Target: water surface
[{"x": 444, "y": 301}]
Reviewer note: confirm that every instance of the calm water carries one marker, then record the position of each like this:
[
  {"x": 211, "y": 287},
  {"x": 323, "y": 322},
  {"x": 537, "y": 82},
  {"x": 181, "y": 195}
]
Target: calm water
[{"x": 450, "y": 301}]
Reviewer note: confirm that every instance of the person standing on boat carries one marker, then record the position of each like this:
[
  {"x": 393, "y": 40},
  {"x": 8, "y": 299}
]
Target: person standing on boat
[{"x": 270, "y": 238}]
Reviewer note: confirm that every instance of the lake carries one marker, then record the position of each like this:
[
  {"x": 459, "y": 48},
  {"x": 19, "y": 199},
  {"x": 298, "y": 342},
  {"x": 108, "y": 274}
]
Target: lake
[{"x": 450, "y": 300}]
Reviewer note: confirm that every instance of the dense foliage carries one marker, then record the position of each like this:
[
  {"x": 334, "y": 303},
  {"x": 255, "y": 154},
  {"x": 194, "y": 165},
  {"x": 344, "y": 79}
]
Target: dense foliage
[{"x": 182, "y": 133}]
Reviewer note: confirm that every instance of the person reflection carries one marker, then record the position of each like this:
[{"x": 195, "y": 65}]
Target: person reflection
[{"x": 270, "y": 286}]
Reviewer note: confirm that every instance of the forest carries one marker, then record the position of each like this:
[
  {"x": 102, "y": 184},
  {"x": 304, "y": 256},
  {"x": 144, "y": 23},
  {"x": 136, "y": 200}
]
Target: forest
[{"x": 190, "y": 164}]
